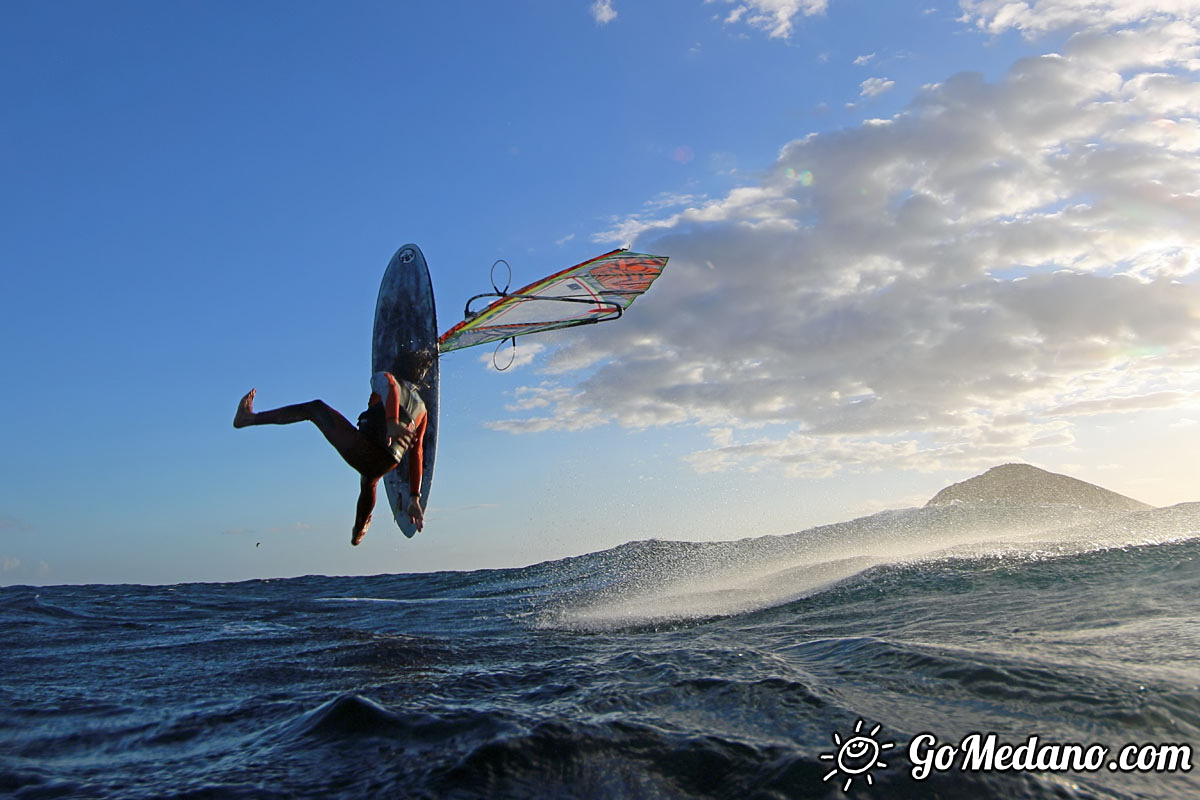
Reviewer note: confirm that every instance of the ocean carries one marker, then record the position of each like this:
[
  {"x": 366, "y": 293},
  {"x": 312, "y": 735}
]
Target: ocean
[{"x": 963, "y": 651}]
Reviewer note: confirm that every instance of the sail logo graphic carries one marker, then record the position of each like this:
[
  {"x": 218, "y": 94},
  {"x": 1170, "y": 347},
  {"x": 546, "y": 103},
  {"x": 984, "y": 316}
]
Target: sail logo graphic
[{"x": 856, "y": 756}]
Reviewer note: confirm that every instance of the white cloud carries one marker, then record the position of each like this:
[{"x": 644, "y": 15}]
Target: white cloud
[
  {"x": 511, "y": 354},
  {"x": 954, "y": 286},
  {"x": 773, "y": 16},
  {"x": 873, "y": 87},
  {"x": 603, "y": 12},
  {"x": 862, "y": 61}
]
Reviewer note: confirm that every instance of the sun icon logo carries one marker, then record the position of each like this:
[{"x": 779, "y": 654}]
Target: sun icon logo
[{"x": 856, "y": 756}]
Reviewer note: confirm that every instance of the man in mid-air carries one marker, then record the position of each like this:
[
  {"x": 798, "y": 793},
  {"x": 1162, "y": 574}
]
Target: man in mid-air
[{"x": 393, "y": 423}]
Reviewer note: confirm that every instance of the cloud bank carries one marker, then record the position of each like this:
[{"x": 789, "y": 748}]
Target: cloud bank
[
  {"x": 1042, "y": 16},
  {"x": 949, "y": 287}
]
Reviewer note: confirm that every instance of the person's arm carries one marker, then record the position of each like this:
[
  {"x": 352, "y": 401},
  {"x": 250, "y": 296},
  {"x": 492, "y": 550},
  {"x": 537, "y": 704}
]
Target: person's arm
[
  {"x": 391, "y": 409},
  {"x": 416, "y": 456},
  {"x": 416, "y": 471}
]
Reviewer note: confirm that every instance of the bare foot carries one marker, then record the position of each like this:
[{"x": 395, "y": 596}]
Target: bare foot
[
  {"x": 245, "y": 411},
  {"x": 357, "y": 535}
]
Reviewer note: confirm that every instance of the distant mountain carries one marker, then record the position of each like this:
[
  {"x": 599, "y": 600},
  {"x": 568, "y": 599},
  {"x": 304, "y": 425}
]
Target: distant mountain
[{"x": 1021, "y": 483}]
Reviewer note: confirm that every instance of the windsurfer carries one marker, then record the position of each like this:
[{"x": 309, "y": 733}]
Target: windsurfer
[{"x": 392, "y": 425}]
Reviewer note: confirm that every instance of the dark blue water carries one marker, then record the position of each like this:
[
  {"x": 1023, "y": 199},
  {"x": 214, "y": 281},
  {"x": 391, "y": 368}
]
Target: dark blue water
[{"x": 656, "y": 669}]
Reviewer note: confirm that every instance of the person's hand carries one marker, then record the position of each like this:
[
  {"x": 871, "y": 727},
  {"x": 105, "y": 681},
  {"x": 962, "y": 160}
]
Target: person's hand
[
  {"x": 415, "y": 515},
  {"x": 402, "y": 437}
]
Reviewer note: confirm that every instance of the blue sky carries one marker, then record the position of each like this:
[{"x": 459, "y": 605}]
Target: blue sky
[{"x": 909, "y": 241}]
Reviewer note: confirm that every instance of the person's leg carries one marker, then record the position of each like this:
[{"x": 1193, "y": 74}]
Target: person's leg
[
  {"x": 366, "y": 504},
  {"x": 359, "y": 452}
]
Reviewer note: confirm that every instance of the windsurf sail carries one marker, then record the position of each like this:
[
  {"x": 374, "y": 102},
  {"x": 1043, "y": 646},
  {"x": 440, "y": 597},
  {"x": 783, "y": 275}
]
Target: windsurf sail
[{"x": 594, "y": 291}]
